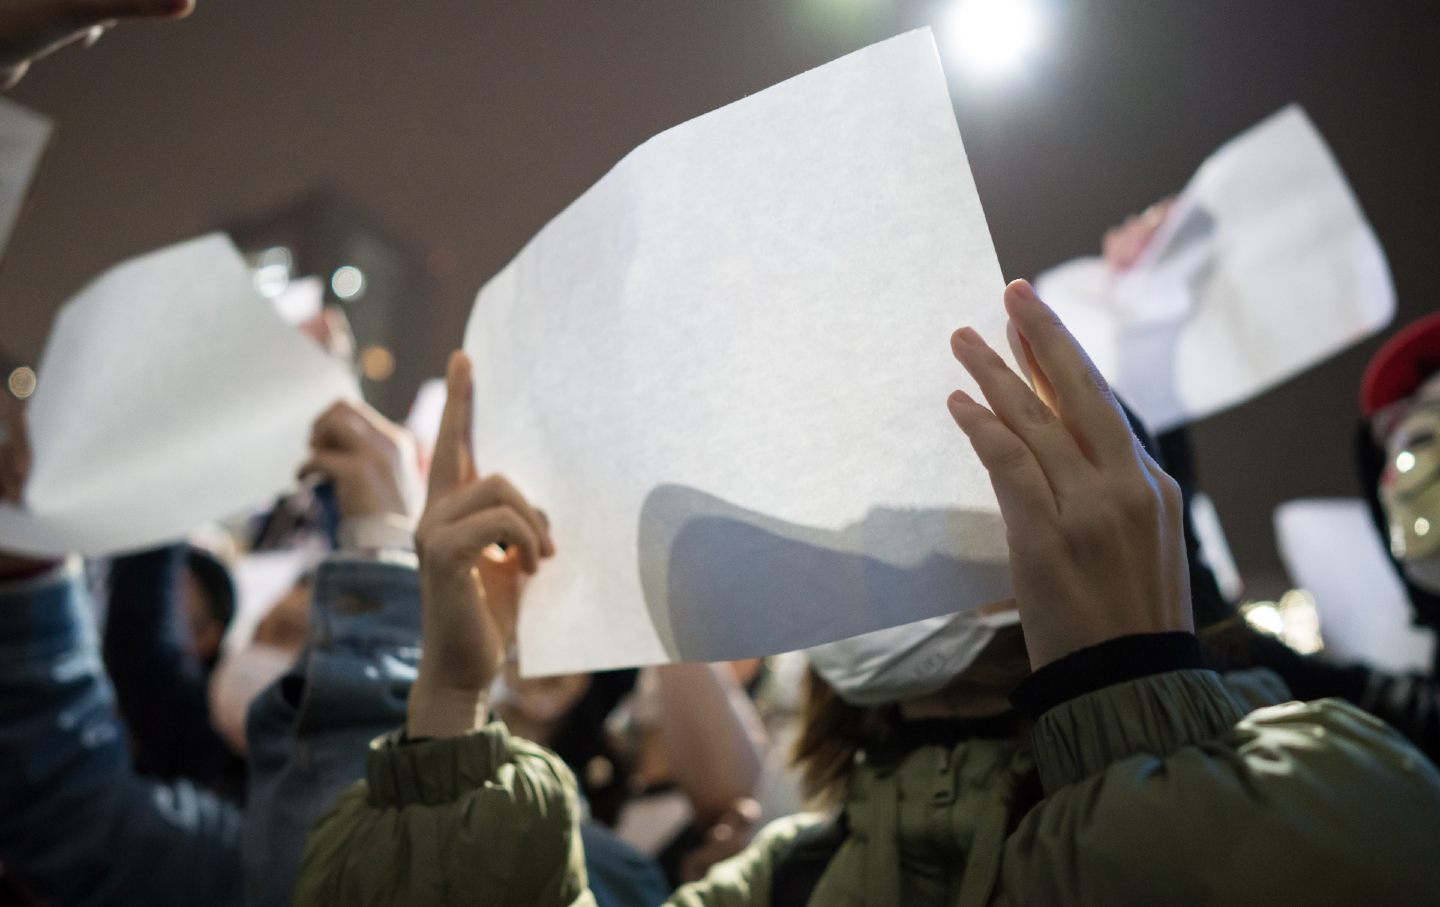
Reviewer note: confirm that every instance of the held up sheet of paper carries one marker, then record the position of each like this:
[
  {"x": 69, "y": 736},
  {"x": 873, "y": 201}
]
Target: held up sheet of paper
[
  {"x": 722, "y": 371},
  {"x": 170, "y": 393},
  {"x": 1264, "y": 267},
  {"x": 24, "y": 136}
]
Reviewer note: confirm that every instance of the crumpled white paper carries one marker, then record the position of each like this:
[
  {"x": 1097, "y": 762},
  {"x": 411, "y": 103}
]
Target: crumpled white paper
[
  {"x": 722, "y": 371},
  {"x": 1264, "y": 267},
  {"x": 170, "y": 393},
  {"x": 24, "y": 136}
]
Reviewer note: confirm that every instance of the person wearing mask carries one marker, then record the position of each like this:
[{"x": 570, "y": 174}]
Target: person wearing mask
[
  {"x": 168, "y": 611},
  {"x": 1392, "y": 426},
  {"x": 1142, "y": 778}
]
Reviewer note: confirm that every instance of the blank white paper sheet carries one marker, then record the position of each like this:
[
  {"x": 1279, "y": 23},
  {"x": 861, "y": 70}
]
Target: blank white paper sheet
[
  {"x": 24, "y": 136},
  {"x": 1264, "y": 267},
  {"x": 170, "y": 394},
  {"x": 722, "y": 372}
]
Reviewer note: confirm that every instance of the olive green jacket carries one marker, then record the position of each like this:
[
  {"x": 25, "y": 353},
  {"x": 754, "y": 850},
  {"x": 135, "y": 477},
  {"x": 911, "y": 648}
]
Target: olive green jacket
[{"x": 1170, "y": 789}]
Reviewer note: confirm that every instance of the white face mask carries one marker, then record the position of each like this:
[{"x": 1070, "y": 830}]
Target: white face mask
[{"x": 907, "y": 661}]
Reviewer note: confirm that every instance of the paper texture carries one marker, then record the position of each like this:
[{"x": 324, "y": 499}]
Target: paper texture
[
  {"x": 170, "y": 393},
  {"x": 1264, "y": 267},
  {"x": 24, "y": 135},
  {"x": 1331, "y": 548},
  {"x": 722, "y": 372}
]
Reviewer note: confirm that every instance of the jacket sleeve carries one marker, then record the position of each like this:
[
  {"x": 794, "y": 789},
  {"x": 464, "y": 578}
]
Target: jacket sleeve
[
  {"x": 486, "y": 818},
  {"x": 76, "y": 822},
  {"x": 160, "y": 686},
  {"x": 1162, "y": 790},
  {"x": 746, "y": 879}
]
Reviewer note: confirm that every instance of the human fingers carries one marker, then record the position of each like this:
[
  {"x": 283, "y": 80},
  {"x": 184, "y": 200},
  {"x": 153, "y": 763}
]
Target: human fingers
[
  {"x": 1024, "y": 413},
  {"x": 1082, "y": 397},
  {"x": 1026, "y": 501},
  {"x": 452, "y": 462},
  {"x": 340, "y": 428},
  {"x": 463, "y": 541},
  {"x": 93, "y": 12},
  {"x": 491, "y": 491}
]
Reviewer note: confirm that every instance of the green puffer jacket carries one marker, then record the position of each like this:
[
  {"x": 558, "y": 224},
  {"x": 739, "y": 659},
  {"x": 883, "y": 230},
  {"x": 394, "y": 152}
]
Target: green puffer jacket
[{"x": 1178, "y": 788}]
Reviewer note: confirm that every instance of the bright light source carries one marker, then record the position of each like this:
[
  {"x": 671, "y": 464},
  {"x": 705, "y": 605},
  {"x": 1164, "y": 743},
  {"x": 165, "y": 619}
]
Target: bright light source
[
  {"x": 1405, "y": 461},
  {"x": 348, "y": 282},
  {"x": 1265, "y": 617},
  {"x": 991, "y": 37},
  {"x": 22, "y": 382},
  {"x": 1422, "y": 526}
]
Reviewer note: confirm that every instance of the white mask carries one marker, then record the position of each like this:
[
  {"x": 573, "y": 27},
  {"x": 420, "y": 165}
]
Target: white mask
[{"x": 907, "y": 661}]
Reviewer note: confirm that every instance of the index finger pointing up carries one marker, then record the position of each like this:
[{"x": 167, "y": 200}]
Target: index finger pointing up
[{"x": 453, "y": 463}]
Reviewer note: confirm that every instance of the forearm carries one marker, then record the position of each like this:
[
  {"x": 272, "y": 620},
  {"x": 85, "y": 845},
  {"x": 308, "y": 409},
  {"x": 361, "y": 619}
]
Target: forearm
[
  {"x": 1165, "y": 765},
  {"x": 507, "y": 810},
  {"x": 74, "y": 818},
  {"x": 712, "y": 735}
]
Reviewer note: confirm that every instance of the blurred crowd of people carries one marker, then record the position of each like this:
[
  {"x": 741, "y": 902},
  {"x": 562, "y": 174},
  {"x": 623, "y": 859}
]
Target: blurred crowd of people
[{"x": 1118, "y": 734}]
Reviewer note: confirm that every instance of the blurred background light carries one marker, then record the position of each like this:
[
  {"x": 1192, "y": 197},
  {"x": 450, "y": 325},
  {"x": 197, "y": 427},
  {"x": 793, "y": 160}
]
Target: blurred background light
[
  {"x": 22, "y": 382},
  {"x": 273, "y": 267},
  {"x": 348, "y": 282},
  {"x": 1294, "y": 619},
  {"x": 990, "y": 38},
  {"x": 377, "y": 362}
]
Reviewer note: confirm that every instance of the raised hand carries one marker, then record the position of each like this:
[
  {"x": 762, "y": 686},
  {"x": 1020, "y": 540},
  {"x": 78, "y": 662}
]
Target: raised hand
[
  {"x": 1122, "y": 245},
  {"x": 465, "y": 633},
  {"x": 31, "y": 29},
  {"x": 372, "y": 461},
  {"x": 1094, "y": 525}
]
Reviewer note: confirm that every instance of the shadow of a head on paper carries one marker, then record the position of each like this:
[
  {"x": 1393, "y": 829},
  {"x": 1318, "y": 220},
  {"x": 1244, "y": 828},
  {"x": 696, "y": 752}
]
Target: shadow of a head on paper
[{"x": 722, "y": 582}]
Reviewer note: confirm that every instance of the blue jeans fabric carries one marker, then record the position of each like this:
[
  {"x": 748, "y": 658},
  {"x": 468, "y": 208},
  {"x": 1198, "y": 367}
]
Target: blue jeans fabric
[
  {"x": 309, "y": 732},
  {"x": 77, "y": 824}
]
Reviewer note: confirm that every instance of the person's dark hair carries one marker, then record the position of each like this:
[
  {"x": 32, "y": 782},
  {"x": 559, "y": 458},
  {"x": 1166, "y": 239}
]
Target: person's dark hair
[
  {"x": 832, "y": 733},
  {"x": 584, "y": 745},
  {"x": 215, "y": 579}
]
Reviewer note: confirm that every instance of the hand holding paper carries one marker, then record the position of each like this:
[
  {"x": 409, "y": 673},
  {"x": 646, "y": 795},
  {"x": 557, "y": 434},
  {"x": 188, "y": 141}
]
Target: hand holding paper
[
  {"x": 1262, "y": 267},
  {"x": 1098, "y": 543},
  {"x": 170, "y": 393}
]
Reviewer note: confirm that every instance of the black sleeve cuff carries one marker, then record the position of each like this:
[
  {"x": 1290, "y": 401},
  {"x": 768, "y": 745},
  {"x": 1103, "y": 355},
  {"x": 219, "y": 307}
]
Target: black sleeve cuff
[{"x": 1106, "y": 664}]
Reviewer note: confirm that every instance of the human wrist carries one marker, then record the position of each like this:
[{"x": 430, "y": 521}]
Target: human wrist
[
  {"x": 440, "y": 709},
  {"x": 377, "y": 531},
  {"x": 1116, "y": 660}
]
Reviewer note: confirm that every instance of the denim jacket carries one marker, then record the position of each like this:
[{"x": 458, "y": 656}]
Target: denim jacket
[{"x": 77, "y": 824}]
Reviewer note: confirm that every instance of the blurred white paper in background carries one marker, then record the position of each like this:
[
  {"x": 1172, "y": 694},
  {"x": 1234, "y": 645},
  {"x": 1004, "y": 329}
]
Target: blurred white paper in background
[
  {"x": 1332, "y": 550},
  {"x": 722, "y": 371},
  {"x": 24, "y": 136},
  {"x": 1264, "y": 267},
  {"x": 170, "y": 393}
]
